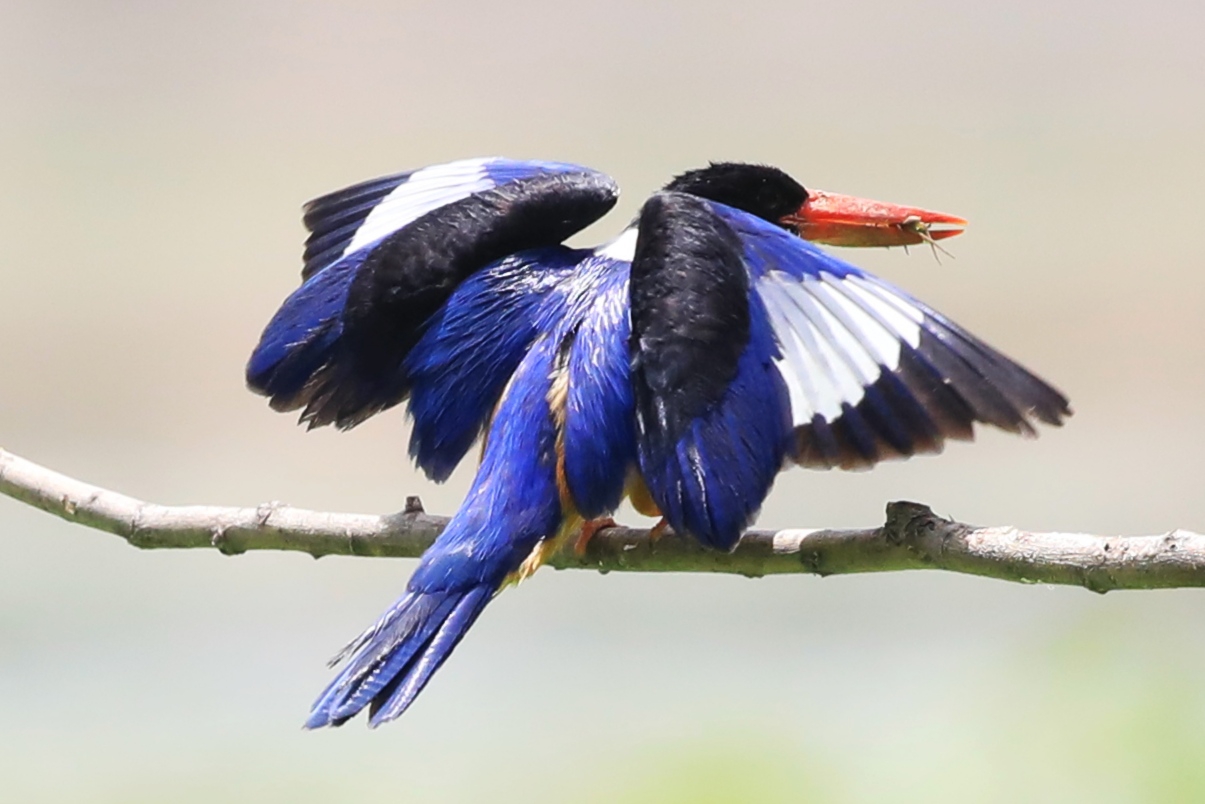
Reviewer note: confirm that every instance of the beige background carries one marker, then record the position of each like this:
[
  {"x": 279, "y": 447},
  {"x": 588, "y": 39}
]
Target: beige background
[{"x": 153, "y": 158}]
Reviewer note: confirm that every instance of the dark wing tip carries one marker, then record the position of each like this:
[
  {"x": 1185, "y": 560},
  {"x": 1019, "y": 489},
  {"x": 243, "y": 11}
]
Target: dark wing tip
[{"x": 930, "y": 398}]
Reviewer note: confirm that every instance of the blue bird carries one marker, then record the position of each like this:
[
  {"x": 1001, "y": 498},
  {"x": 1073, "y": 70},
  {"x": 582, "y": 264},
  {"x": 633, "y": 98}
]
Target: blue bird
[{"x": 682, "y": 366}]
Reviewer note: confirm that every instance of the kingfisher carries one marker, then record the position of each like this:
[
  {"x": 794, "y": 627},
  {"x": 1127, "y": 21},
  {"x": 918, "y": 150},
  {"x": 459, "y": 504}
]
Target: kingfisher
[{"x": 681, "y": 366}]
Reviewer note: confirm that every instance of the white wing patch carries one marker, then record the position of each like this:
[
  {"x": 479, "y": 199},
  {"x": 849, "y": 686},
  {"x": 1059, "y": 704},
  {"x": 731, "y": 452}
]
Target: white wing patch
[
  {"x": 808, "y": 352},
  {"x": 900, "y": 317},
  {"x": 798, "y": 363},
  {"x": 425, "y": 190},
  {"x": 837, "y": 336}
]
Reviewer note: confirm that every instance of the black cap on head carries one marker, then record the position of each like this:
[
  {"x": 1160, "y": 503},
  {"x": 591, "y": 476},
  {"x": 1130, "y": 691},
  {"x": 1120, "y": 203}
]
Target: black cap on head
[{"x": 760, "y": 190}]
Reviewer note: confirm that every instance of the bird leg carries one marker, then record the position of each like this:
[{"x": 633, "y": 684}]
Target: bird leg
[
  {"x": 593, "y": 526},
  {"x": 658, "y": 530},
  {"x": 589, "y": 528}
]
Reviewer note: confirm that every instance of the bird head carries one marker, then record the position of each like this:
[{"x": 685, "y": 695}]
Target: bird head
[{"x": 822, "y": 217}]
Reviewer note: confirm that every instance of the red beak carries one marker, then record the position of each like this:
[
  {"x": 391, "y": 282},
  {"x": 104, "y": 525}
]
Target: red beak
[{"x": 843, "y": 220}]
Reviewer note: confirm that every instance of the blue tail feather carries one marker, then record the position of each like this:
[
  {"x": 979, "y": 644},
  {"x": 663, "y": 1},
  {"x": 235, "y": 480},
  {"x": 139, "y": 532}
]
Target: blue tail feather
[
  {"x": 394, "y": 659},
  {"x": 397, "y": 695},
  {"x": 513, "y": 505}
]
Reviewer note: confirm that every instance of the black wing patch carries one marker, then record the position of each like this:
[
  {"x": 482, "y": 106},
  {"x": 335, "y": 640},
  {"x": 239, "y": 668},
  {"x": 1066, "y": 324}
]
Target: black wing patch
[
  {"x": 712, "y": 414},
  {"x": 690, "y": 312},
  {"x": 336, "y": 348},
  {"x": 332, "y": 219}
]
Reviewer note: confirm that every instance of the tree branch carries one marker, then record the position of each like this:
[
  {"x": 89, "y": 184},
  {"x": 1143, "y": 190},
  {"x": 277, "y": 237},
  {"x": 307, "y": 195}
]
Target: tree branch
[{"x": 913, "y": 537}]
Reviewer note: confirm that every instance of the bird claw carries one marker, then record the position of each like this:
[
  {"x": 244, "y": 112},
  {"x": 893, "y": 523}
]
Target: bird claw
[{"x": 589, "y": 529}]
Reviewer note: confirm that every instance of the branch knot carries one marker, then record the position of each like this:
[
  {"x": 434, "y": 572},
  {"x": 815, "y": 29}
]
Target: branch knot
[{"x": 906, "y": 522}]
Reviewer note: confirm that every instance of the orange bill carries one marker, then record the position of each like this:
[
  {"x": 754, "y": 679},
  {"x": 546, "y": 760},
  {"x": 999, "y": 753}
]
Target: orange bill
[{"x": 843, "y": 220}]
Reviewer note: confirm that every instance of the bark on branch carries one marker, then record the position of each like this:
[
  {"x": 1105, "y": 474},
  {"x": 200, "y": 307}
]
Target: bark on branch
[{"x": 912, "y": 537}]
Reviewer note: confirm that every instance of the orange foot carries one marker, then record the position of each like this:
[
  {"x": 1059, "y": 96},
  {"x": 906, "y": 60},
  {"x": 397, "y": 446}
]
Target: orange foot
[
  {"x": 658, "y": 530},
  {"x": 589, "y": 528}
]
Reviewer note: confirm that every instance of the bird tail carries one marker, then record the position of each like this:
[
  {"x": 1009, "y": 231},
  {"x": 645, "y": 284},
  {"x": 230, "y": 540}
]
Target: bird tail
[
  {"x": 392, "y": 661},
  {"x": 512, "y": 518}
]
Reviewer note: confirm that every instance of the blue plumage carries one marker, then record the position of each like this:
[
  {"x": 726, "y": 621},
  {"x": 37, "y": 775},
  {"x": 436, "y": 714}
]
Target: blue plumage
[
  {"x": 711, "y": 482},
  {"x": 503, "y": 171},
  {"x": 512, "y": 506},
  {"x": 877, "y": 373},
  {"x": 384, "y": 257},
  {"x": 685, "y": 363},
  {"x": 302, "y": 336},
  {"x": 767, "y": 247},
  {"x": 599, "y": 428},
  {"x": 465, "y": 358}
]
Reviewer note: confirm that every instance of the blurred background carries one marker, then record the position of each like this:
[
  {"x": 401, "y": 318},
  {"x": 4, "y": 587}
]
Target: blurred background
[{"x": 153, "y": 159}]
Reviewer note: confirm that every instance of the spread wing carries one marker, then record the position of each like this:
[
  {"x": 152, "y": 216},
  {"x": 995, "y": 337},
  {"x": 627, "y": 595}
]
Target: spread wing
[
  {"x": 384, "y": 255},
  {"x": 752, "y": 347}
]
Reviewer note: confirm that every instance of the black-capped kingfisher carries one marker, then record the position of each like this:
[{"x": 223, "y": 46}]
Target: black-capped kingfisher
[{"x": 683, "y": 365}]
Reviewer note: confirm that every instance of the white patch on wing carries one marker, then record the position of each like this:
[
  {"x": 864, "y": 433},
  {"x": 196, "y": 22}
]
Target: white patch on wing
[
  {"x": 622, "y": 247},
  {"x": 795, "y": 364},
  {"x": 425, "y": 190},
  {"x": 837, "y": 336},
  {"x": 809, "y": 357},
  {"x": 895, "y": 310},
  {"x": 845, "y": 342},
  {"x": 882, "y": 345}
]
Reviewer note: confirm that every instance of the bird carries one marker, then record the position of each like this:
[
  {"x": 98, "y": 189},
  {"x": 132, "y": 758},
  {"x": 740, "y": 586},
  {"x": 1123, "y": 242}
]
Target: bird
[{"x": 681, "y": 365}]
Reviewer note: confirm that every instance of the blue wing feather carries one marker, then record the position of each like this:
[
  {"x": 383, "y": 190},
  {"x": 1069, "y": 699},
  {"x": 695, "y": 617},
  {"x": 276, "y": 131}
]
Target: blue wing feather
[
  {"x": 474, "y": 343},
  {"x": 712, "y": 411},
  {"x": 873, "y": 372},
  {"x": 712, "y": 482},
  {"x": 385, "y": 256},
  {"x": 857, "y": 369},
  {"x": 599, "y": 431},
  {"x": 299, "y": 339},
  {"x": 502, "y": 171}
]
